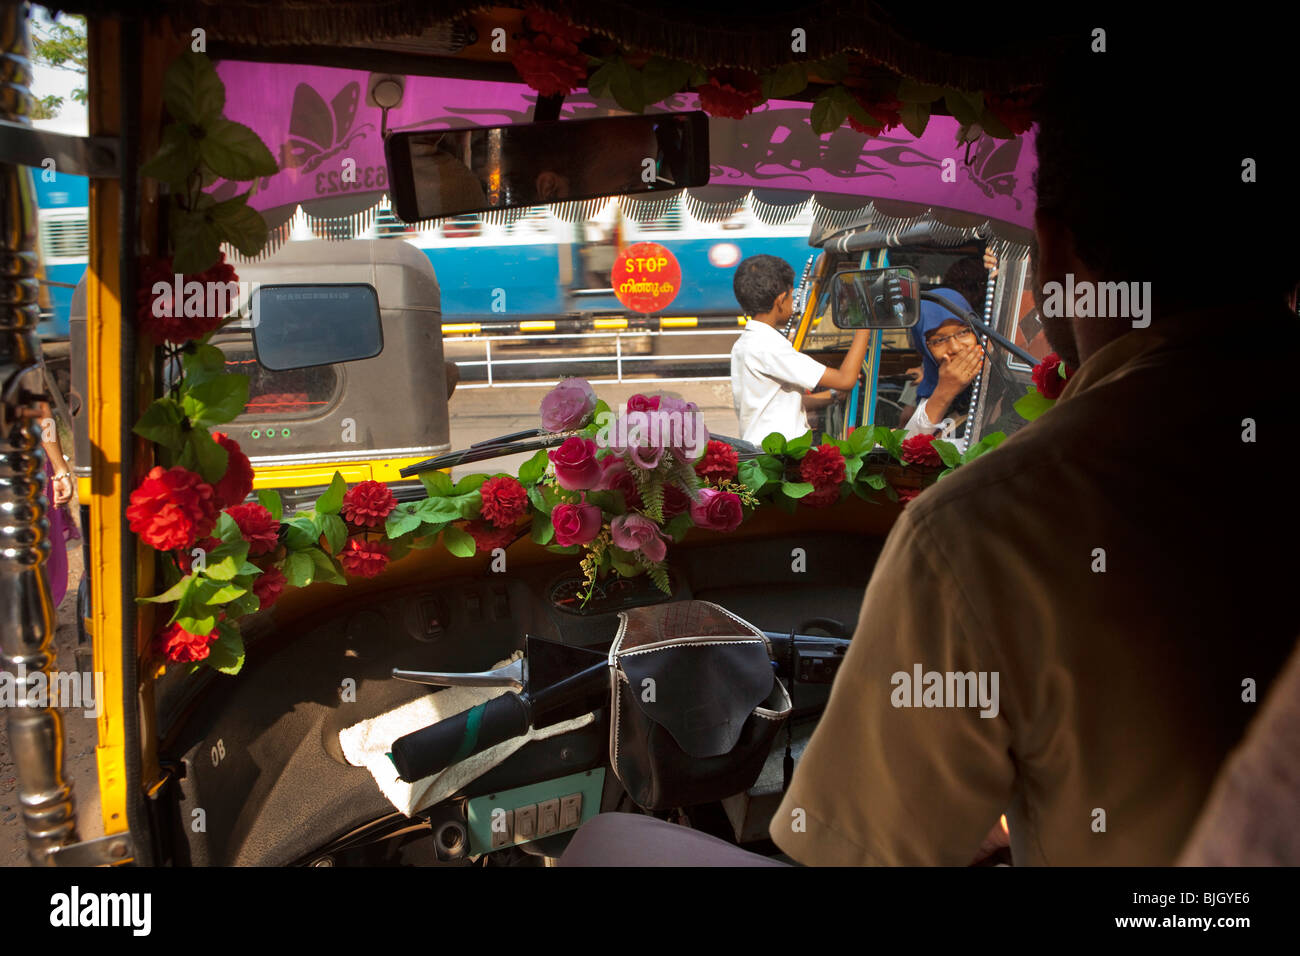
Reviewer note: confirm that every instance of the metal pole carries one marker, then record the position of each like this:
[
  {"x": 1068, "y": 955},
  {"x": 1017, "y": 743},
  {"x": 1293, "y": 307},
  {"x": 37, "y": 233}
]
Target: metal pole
[{"x": 26, "y": 608}]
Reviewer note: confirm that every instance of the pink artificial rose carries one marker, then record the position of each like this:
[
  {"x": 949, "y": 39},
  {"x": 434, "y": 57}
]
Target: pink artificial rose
[
  {"x": 568, "y": 405},
  {"x": 637, "y": 434},
  {"x": 634, "y": 532},
  {"x": 643, "y": 403},
  {"x": 616, "y": 477},
  {"x": 685, "y": 424},
  {"x": 575, "y": 524},
  {"x": 576, "y": 467},
  {"x": 717, "y": 510}
]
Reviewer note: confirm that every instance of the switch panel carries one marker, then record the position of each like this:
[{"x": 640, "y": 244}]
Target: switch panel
[
  {"x": 570, "y": 810},
  {"x": 502, "y": 836},
  {"x": 548, "y": 817},
  {"x": 526, "y": 822}
]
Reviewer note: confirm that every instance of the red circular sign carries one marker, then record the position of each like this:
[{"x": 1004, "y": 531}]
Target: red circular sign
[{"x": 646, "y": 277}]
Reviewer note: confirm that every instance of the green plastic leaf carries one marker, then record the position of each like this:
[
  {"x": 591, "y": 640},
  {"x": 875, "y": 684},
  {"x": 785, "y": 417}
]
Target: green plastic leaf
[
  {"x": 205, "y": 363},
  {"x": 852, "y": 465},
  {"x": 303, "y": 532},
  {"x": 173, "y": 593},
  {"x": 469, "y": 484},
  {"x": 568, "y": 549},
  {"x": 662, "y": 77},
  {"x": 598, "y": 82},
  {"x": 545, "y": 497},
  {"x": 624, "y": 562},
  {"x": 196, "y": 240},
  {"x": 330, "y": 571},
  {"x": 226, "y": 653},
  {"x": 751, "y": 474},
  {"x": 874, "y": 480},
  {"x": 217, "y": 401},
  {"x": 785, "y": 503},
  {"x": 533, "y": 469},
  {"x": 176, "y": 159},
  {"x": 677, "y": 527},
  {"x": 916, "y": 117},
  {"x": 796, "y": 489},
  {"x": 223, "y": 569},
  {"x": 438, "y": 510},
  {"x": 910, "y": 91},
  {"x": 233, "y": 151},
  {"x": 467, "y": 506},
  {"x": 994, "y": 126},
  {"x": 227, "y": 531},
  {"x": 543, "y": 532},
  {"x": 436, "y": 483},
  {"x": 330, "y": 502},
  {"x": 944, "y": 474},
  {"x": 205, "y": 455},
  {"x": 161, "y": 423},
  {"x": 948, "y": 453},
  {"x": 240, "y": 226},
  {"x": 798, "y": 447},
  {"x": 335, "y": 531},
  {"x": 831, "y": 69},
  {"x": 192, "y": 91},
  {"x": 785, "y": 81},
  {"x": 830, "y": 109},
  {"x": 987, "y": 443},
  {"x": 227, "y": 594},
  {"x": 269, "y": 499},
  {"x": 399, "y": 522},
  {"x": 458, "y": 542},
  {"x": 299, "y": 569},
  {"x": 1033, "y": 404},
  {"x": 966, "y": 108},
  {"x": 247, "y": 603},
  {"x": 774, "y": 444}
]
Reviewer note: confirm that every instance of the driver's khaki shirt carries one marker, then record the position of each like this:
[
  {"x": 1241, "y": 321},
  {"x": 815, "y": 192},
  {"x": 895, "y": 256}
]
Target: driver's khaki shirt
[{"x": 1120, "y": 692}]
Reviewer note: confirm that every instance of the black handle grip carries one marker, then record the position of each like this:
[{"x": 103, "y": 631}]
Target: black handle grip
[{"x": 434, "y": 748}]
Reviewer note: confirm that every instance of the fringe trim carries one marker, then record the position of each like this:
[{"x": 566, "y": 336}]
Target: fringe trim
[{"x": 739, "y": 38}]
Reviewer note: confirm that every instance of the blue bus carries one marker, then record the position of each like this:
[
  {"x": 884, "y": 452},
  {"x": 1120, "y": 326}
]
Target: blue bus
[{"x": 63, "y": 223}]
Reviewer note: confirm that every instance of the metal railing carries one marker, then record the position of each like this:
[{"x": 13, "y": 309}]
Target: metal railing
[{"x": 617, "y": 354}]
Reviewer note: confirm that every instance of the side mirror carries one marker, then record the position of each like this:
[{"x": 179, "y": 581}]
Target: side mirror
[
  {"x": 875, "y": 299},
  {"x": 298, "y": 326}
]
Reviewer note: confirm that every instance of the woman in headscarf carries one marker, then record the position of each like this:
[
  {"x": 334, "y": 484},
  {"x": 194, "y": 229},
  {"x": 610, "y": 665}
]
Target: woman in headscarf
[{"x": 951, "y": 358}]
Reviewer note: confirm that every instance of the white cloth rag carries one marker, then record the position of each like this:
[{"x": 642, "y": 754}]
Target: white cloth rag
[{"x": 368, "y": 744}]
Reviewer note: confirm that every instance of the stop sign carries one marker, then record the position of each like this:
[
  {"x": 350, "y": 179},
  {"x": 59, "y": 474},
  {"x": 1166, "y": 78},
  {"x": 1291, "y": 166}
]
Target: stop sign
[{"x": 646, "y": 277}]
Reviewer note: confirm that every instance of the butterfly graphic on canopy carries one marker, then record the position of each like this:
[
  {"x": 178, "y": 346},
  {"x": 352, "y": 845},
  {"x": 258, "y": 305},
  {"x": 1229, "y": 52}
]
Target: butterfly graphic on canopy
[
  {"x": 993, "y": 169},
  {"x": 318, "y": 131}
]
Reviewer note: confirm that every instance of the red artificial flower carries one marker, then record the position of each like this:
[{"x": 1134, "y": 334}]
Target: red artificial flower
[
  {"x": 487, "y": 537},
  {"x": 1016, "y": 111},
  {"x": 180, "y": 327},
  {"x": 676, "y": 501},
  {"x": 550, "y": 65},
  {"x": 1047, "y": 376},
  {"x": 185, "y": 557},
  {"x": 906, "y": 494},
  {"x": 363, "y": 558},
  {"x": 268, "y": 586},
  {"x": 177, "y": 644},
  {"x": 823, "y": 467},
  {"x": 257, "y": 526},
  {"x": 368, "y": 504},
  {"x": 237, "y": 483},
  {"x": 920, "y": 450},
  {"x": 544, "y": 21},
  {"x": 720, "y": 462},
  {"x": 615, "y": 476},
  {"x": 172, "y": 508},
  {"x": 731, "y": 93},
  {"x": 821, "y": 498},
  {"x": 887, "y": 114},
  {"x": 505, "y": 501}
]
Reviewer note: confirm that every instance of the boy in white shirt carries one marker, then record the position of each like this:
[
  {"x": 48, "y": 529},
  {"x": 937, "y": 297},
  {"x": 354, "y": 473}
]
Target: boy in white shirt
[{"x": 769, "y": 378}]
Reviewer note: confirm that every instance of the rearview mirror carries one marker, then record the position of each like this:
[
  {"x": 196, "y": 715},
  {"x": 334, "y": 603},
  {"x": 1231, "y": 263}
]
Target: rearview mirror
[
  {"x": 875, "y": 299},
  {"x": 298, "y": 326},
  {"x": 450, "y": 172}
]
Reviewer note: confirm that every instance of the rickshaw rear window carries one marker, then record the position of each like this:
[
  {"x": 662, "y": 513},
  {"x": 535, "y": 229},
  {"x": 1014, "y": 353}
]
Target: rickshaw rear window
[{"x": 298, "y": 393}]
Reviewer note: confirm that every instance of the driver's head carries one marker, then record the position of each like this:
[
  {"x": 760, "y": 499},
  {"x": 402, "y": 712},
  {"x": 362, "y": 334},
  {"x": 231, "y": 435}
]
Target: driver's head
[{"x": 949, "y": 339}]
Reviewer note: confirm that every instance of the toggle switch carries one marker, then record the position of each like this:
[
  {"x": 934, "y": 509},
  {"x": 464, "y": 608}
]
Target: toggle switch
[
  {"x": 570, "y": 811},
  {"x": 548, "y": 817},
  {"x": 526, "y": 822}
]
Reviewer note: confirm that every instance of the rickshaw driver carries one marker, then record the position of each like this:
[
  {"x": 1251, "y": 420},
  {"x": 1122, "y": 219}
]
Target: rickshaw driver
[
  {"x": 1121, "y": 685},
  {"x": 951, "y": 358}
]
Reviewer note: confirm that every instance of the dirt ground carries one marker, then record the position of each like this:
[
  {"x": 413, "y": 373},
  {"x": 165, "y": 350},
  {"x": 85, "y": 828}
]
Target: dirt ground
[{"x": 79, "y": 742}]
